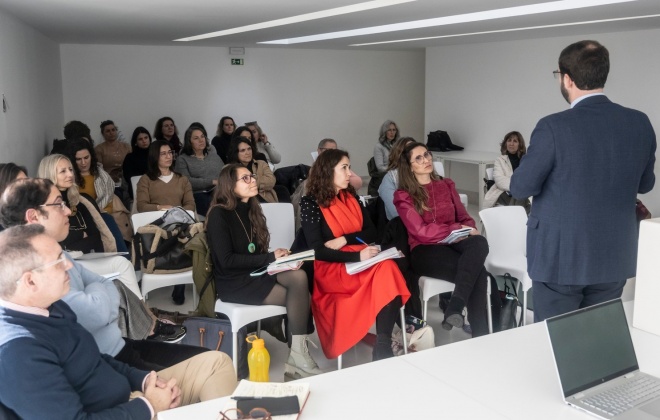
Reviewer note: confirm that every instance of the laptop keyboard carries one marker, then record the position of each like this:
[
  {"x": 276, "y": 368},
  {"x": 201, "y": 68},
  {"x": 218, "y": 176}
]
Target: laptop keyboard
[{"x": 624, "y": 397}]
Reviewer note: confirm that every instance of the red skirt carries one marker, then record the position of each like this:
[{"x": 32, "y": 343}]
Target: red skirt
[{"x": 345, "y": 306}]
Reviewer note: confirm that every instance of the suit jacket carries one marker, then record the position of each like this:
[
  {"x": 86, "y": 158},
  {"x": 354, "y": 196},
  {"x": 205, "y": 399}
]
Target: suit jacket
[{"x": 584, "y": 168}]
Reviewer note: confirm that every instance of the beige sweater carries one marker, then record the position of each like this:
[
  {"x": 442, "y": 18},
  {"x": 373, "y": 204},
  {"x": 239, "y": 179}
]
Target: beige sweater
[{"x": 151, "y": 194}]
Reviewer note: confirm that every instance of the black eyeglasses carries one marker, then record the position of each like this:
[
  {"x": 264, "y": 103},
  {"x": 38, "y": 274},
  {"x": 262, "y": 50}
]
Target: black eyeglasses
[
  {"x": 169, "y": 152},
  {"x": 556, "y": 74},
  {"x": 255, "y": 413},
  {"x": 248, "y": 178},
  {"x": 62, "y": 205},
  {"x": 419, "y": 159}
]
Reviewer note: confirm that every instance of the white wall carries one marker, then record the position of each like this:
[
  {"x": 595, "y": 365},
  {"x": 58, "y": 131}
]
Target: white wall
[
  {"x": 31, "y": 80},
  {"x": 297, "y": 96},
  {"x": 479, "y": 92}
]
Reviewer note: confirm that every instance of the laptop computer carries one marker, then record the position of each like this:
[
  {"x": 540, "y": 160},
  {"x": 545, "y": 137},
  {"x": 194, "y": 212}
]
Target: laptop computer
[{"x": 595, "y": 361}]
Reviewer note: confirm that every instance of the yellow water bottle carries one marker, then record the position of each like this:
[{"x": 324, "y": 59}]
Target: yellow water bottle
[{"x": 258, "y": 359}]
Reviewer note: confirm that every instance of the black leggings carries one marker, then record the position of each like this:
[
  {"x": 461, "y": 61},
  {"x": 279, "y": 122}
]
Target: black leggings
[
  {"x": 461, "y": 263},
  {"x": 292, "y": 291}
]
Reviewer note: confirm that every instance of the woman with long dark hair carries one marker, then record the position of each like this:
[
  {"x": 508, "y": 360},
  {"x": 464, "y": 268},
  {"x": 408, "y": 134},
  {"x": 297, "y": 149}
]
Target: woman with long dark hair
[
  {"x": 238, "y": 240},
  {"x": 166, "y": 130},
  {"x": 337, "y": 227},
  {"x": 223, "y": 136},
  {"x": 135, "y": 163},
  {"x": 430, "y": 208},
  {"x": 241, "y": 151}
]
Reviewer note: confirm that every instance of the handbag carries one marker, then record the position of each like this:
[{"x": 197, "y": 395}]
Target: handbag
[
  {"x": 510, "y": 302},
  {"x": 420, "y": 339},
  {"x": 158, "y": 247},
  {"x": 215, "y": 334}
]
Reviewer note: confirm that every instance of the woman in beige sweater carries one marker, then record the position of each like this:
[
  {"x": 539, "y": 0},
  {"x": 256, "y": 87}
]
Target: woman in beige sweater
[{"x": 161, "y": 188}]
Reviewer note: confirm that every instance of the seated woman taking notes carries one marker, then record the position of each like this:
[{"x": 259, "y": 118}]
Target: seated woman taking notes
[
  {"x": 430, "y": 208},
  {"x": 345, "y": 305},
  {"x": 238, "y": 240}
]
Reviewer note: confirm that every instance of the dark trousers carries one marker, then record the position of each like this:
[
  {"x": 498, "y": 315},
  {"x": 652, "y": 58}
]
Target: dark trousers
[
  {"x": 551, "y": 299},
  {"x": 155, "y": 355},
  {"x": 461, "y": 263},
  {"x": 202, "y": 201}
]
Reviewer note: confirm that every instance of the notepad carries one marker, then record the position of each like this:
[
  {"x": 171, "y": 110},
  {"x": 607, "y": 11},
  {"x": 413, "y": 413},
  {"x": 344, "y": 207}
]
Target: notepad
[
  {"x": 388, "y": 254},
  {"x": 290, "y": 262},
  {"x": 247, "y": 388},
  {"x": 456, "y": 235}
]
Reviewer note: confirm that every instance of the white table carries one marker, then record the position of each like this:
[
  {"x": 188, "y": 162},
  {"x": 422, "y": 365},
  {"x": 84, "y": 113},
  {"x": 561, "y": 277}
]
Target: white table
[
  {"x": 508, "y": 375},
  {"x": 480, "y": 159}
]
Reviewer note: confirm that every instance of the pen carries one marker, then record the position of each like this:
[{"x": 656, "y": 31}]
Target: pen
[
  {"x": 361, "y": 241},
  {"x": 245, "y": 398}
]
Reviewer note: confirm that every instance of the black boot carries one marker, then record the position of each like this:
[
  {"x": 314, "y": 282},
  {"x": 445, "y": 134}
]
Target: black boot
[
  {"x": 273, "y": 326},
  {"x": 454, "y": 314},
  {"x": 383, "y": 347}
]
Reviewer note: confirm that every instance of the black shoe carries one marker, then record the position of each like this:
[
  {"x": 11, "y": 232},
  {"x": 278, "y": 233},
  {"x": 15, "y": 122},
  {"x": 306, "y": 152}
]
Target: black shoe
[
  {"x": 273, "y": 326},
  {"x": 382, "y": 348},
  {"x": 179, "y": 294},
  {"x": 454, "y": 314},
  {"x": 168, "y": 333}
]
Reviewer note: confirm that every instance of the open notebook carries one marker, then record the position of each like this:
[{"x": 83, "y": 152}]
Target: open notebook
[{"x": 247, "y": 388}]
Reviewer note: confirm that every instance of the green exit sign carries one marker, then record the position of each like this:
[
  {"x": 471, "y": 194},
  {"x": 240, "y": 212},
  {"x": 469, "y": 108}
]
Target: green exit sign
[{"x": 236, "y": 61}]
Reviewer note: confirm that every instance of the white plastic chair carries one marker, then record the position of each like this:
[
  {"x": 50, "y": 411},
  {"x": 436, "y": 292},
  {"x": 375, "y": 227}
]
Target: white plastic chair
[
  {"x": 281, "y": 224},
  {"x": 156, "y": 281},
  {"x": 240, "y": 315},
  {"x": 506, "y": 230},
  {"x": 431, "y": 286},
  {"x": 440, "y": 170}
]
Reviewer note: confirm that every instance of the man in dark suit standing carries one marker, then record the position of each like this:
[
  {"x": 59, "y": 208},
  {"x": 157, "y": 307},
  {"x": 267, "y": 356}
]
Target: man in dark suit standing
[{"x": 584, "y": 168}]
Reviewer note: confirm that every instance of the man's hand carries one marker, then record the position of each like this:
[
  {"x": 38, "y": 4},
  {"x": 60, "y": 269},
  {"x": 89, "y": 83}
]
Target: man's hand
[{"x": 160, "y": 394}]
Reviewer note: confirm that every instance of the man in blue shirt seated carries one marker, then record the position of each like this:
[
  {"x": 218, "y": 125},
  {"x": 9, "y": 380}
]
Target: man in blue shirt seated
[
  {"x": 93, "y": 299},
  {"x": 51, "y": 366}
]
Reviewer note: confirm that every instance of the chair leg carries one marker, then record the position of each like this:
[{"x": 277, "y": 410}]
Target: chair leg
[
  {"x": 339, "y": 362},
  {"x": 404, "y": 337},
  {"x": 259, "y": 328},
  {"x": 234, "y": 350},
  {"x": 524, "y": 308},
  {"x": 424, "y": 311}
]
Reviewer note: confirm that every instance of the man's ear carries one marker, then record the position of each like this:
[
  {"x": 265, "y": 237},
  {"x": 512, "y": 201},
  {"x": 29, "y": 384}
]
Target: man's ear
[
  {"x": 26, "y": 279},
  {"x": 32, "y": 216}
]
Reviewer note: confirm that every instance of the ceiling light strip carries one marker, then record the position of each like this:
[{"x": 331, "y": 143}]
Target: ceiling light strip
[
  {"x": 354, "y": 8},
  {"x": 531, "y": 9},
  {"x": 507, "y": 30}
]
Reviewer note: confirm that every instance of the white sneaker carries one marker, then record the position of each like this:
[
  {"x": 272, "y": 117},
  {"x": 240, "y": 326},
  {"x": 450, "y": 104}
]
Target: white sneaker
[{"x": 300, "y": 363}]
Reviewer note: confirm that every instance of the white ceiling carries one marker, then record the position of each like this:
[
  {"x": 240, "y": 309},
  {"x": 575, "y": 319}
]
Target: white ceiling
[{"x": 158, "y": 22}]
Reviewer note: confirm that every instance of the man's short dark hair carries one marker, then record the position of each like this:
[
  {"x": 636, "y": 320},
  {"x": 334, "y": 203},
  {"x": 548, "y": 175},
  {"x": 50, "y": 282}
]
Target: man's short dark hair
[
  {"x": 587, "y": 63},
  {"x": 20, "y": 196},
  {"x": 74, "y": 129}
]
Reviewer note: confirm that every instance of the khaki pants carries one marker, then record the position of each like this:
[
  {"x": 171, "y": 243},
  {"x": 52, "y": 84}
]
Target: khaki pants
[{"x": 203, "y": 377}]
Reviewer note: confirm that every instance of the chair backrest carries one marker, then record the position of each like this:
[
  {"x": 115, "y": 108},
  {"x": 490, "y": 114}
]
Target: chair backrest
[
  {"x": 134, "y": 182},
  {"x": 439, "y": 168},
  {"x": 144, "y": 218},
  {"x": 281, "y": 224},
  {"x": 314, "y": 154},
  {"x": 489, "y": 173},
  {"x": 506, "y": 230}
]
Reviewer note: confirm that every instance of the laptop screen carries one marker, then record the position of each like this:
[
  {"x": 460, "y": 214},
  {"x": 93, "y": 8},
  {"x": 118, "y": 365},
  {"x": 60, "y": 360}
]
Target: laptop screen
[{"x": 591, "y": 346}]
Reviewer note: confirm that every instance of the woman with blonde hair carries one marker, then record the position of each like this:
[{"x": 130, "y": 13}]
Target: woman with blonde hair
[{"x": 87, "y": 230}]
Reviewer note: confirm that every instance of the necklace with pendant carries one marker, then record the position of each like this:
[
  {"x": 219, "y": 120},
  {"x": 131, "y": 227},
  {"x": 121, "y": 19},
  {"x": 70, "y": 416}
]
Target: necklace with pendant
[{"x": 251, "y": 246}]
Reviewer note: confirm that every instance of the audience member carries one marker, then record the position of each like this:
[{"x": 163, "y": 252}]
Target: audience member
[
  {"x": 65, "y": 369},
  {"x": 330, "y": 144},
  {"x": 87, "y": 230},
  {"x": 93, "y": 297},
  {"x": 389, "y": 133},
  {"x": 201, "y": 164},
  {"x": 238, "y": 241},
  {"x": 112, "y": 151},
  {"x": 223, "y": 136},
  {"x": 243, "y": 131},
  {"x": 240, "y": 151},
  {"x": 161, "y": 189},
  {"x": 95, "y": 182},
  {"x": 10, "y": 172},
  {"x": 512, "y": 149},
  {"x": 430, "y": 209},
  {"x": 390, "y": 181},
  {"x": 337, "y": 227},
  {"x": 584, "y": 168},
  {"x": 72, "y": 130},
  {"x": 263, "y": 143},
  {"x": 135, "y": 163},
  {"x": 166, "y": 130}
]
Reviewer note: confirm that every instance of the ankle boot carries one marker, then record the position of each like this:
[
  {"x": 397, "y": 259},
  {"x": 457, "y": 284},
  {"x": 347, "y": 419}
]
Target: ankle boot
[
  {"x": 273, "y": 326},
  {"x": 454, "y": 313},
  {"x": 300, "y": 363},
  {"x": 382, "y": 348}
]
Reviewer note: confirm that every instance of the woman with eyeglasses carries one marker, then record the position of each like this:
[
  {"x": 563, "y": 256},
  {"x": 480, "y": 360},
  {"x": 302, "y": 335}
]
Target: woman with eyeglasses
[
  {"x": 338, "y": 228},
  {"x": 161, "y": 188},
  {"x": 87, "y": 230},
  {"x": 431, "y": 209},
  {"x": 389, "y": 133},
  {"x": 240, "y": 151},
  {"x": 200, "y": 163},
  {"x": 238, "y": 239}
]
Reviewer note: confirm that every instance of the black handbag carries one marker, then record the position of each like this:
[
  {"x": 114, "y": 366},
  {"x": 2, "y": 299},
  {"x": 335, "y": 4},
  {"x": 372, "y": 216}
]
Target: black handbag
[{"x": 510, "y": 303}]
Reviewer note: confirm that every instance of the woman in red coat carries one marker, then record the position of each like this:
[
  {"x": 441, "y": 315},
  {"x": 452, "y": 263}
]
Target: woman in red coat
[{"x": 335, "y": 225}]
